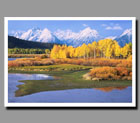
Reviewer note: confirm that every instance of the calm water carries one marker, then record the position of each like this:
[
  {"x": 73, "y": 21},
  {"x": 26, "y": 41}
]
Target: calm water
[
  {"x": 11, "y": 59},
  {"x": 72, "y": 95}
]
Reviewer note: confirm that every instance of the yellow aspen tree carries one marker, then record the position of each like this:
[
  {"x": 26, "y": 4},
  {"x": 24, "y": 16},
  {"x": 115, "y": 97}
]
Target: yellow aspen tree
[
  {"x": 83, "y": 52},
  {"x": 54, "y": 51},
  {"x": 117, "y": 49},
  {"x": 71, "y": 51},
  {"x": 102, "y": 47},
  {"x": 91, "y": 52},
  {"x": 125, "y": 50},
  {"x": 94, "y": 45},
  {"x": 109, "y": 50},
  {"x": 78, "y": 52}
]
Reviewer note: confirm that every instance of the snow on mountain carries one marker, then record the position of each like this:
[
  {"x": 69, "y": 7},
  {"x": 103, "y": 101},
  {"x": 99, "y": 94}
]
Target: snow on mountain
[
  {"x": 88, "y": 33},
  {"x": 75, "y": 39},
  {"x": 69, "y": 37},
  {"x": 36, "y": 34},
  {"x": 65, "y": 35},
  {"x": 46, "y": 36},
  {"x": 29, "y": 35},
  {"x": 18, "y": 34},
  {"x": 125, "y": 37},
  {"x": 86, "y": 36},
  {"x": 127, "y": 32}
]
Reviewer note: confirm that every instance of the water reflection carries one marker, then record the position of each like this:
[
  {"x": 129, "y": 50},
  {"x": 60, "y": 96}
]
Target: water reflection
[
  {"x": 31, "y": 76},
  {"x": 11, "y": 59},
  {"x": 108, "y": 89},
  {"x": 118, "y": 94}
]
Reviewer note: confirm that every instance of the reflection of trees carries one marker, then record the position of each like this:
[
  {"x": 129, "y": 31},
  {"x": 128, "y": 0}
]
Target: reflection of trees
[{"x": 108, "y": 89}]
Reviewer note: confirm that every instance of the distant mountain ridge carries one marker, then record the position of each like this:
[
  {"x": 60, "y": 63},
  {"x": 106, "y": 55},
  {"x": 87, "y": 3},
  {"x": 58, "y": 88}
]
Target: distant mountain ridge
[
  {"x": 68, "y": 37},
  {"x": 125, "y": 37},
  {"x": 20, "y": 43}
]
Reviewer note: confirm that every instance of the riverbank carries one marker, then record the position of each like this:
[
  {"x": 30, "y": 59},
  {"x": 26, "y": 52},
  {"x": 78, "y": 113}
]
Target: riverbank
[
  {"x": 25, "y": 55},
  {"x": 66, "y": 76},
  {"x": 64, "y": 80},
  {"x": 87, "y": 95}
]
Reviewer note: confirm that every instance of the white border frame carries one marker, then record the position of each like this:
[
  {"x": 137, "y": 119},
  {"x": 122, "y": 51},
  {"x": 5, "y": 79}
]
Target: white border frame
[{"x": 133, "y": 104}]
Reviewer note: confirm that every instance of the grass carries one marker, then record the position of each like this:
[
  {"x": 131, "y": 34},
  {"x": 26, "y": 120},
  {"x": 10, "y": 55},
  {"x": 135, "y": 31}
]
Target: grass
[
  {"x": 68, "y": 76},
  {"x": 67, "y": 80},
  {"x": 62, "y": 67},
  {"x": 23, "y": 55}
]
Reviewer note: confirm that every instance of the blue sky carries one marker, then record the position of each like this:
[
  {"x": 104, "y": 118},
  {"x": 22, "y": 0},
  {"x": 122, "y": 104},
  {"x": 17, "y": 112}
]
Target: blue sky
[{"x": 103, "y": 27}]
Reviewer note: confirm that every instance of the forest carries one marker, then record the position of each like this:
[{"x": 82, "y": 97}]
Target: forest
[
  {"x": 106, "y": 48},
  {"x": 27, "y": 51}
]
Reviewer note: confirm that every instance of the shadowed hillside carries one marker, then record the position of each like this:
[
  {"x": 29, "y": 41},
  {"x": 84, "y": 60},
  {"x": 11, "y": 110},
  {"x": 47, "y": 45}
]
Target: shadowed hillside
[{"x": 19, "y": 43}]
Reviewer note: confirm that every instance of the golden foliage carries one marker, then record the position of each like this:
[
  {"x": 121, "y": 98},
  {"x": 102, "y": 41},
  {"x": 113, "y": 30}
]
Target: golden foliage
[
  {"x": 110, "y": 73},
  {"x": 86, "y": 62},
  {"x": 106, "y": 48}
]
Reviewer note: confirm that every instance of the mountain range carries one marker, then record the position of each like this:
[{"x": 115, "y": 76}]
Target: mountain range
[{"x": 68, "y": 37}]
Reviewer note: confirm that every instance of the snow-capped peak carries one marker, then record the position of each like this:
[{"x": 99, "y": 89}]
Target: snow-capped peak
[
  {"x": 30, "y": 34},
  {"x": 65, "y": 34},
  {"x": 127, "y": 32},
  {"x": 125, "y": 37},
  {"x": 35, "y": 28},
  {"x": 18, "y": 34},
  {"x": 46, "y": 36},
  {"x": 89, "y": 32},
  {"x": 69, "y": 37}
]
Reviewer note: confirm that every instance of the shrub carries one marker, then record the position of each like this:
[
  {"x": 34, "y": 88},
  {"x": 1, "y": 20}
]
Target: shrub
[
  {"x": 130, "y": 57},
  {"x": 41, "y": 60},
  {"x": 121, "y": 71},
  {"x": 130, "y": 74},
  {"x": 103, "y": 72},
  {"x": 126, "y": 63},
  {"x": 109, "y": 73}
]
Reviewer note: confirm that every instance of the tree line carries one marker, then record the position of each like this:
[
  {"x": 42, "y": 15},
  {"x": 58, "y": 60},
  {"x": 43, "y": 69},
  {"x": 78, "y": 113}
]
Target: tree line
[
  {"x": 27, "y": 51},
  {"x": 106, "y": 48}
]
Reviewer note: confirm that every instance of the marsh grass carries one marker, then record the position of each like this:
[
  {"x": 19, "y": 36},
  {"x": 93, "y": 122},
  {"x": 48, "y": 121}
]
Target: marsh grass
[
  {"x": 61, "y": 67},
  {"x": 67, "y": 80},
  {"x": 23, "y": 55},
  {"x": 66, "y": 76}
]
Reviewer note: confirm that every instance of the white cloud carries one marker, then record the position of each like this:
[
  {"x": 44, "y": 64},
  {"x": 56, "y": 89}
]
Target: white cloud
[
  {"x": 108, "y": 28},
  {"x": 85, "y": 25},
  {"x": 103, "y": 25},
  {"x": 112, "y": 26},
  {"x": 111, "y": 37},
  {"x": 115, "y": 27}
]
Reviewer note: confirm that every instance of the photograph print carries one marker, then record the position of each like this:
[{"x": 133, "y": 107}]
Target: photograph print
[{"x": 70, "y": 62}]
